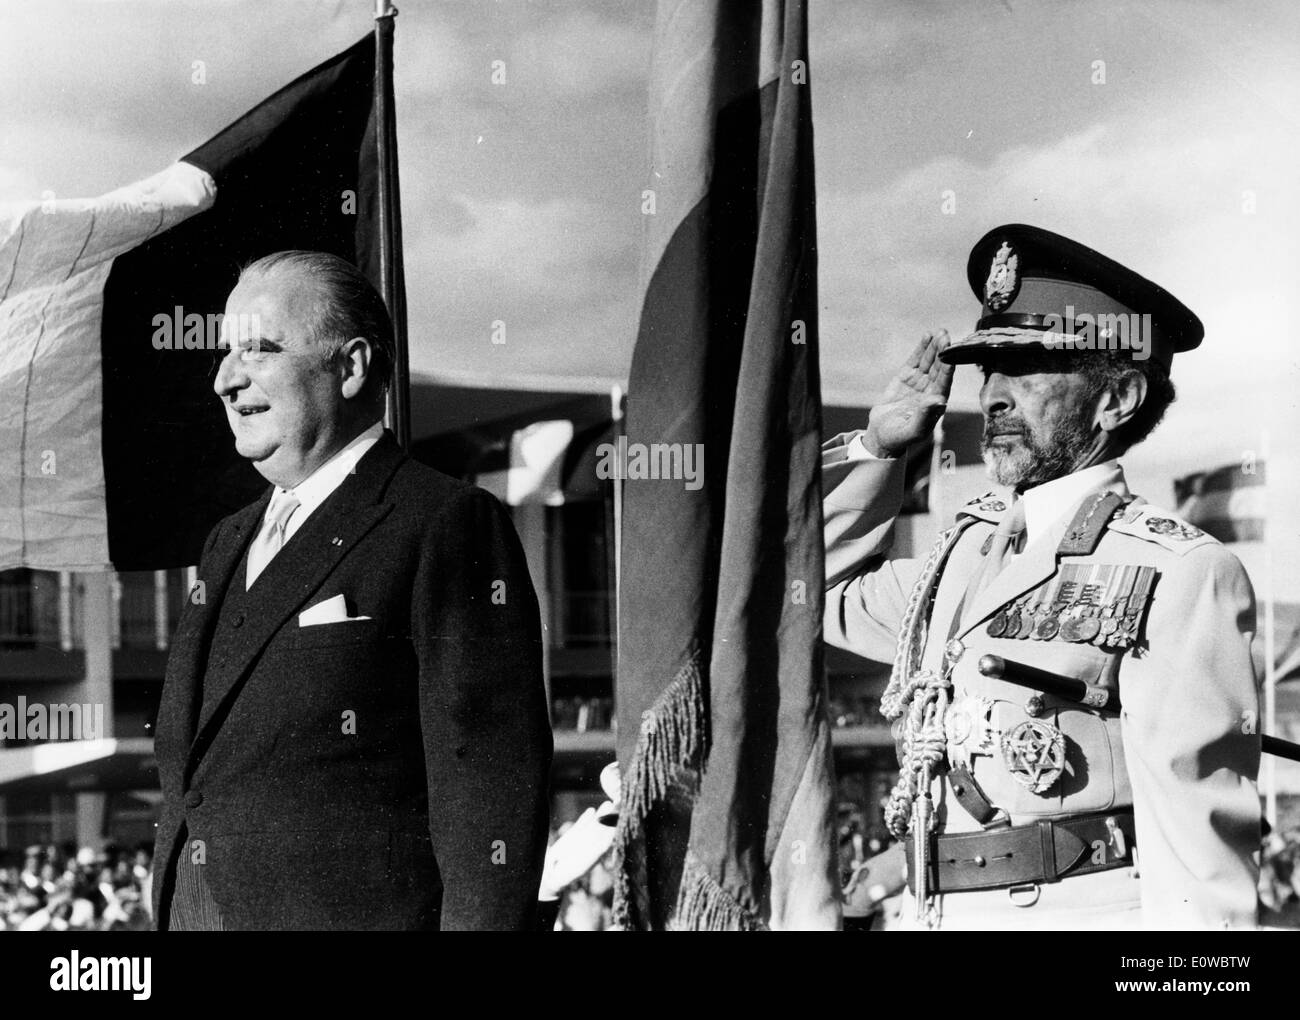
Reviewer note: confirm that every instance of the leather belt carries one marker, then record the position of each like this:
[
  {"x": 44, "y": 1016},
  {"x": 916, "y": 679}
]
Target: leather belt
[{"x": 1038, "y": 853}]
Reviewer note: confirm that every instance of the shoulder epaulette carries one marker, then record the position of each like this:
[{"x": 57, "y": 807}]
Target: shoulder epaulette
[
  {"x": 988, "y": 507},
  {"x": 1154, "y": 524}
]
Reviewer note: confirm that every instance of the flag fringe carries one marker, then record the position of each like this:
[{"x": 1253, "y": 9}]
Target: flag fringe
[
  {"x": 703, "y": 905},
  {"x": 673, "y": 737}
]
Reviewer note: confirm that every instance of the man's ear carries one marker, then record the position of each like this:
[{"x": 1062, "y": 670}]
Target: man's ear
[
  {"x": 354, "y": 366},
  {"x": 1120, "y": 401}
]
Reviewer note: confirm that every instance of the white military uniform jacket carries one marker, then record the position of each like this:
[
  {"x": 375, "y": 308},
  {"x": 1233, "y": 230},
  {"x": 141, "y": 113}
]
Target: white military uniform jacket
[{"x": 1184, "y": 752}]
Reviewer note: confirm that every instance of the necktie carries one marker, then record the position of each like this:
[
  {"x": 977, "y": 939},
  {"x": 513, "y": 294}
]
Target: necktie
[
  {"x": 1002, "y": 544},
  {"x": 271, "y": 537}
]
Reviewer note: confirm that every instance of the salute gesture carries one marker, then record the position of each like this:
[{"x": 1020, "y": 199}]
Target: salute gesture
[{"x": 913, "y": 402}]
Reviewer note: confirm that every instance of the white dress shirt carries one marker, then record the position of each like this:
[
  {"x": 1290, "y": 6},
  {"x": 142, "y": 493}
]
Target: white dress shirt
[
  {"x": 1047, "y": 503},
  {"x": 313, "y": 490}
]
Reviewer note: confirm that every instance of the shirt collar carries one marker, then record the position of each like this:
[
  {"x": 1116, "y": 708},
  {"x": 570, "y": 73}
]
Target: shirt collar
[
  {"x": 1047, "y": 503},
  {"x": 313, "y": 490}
]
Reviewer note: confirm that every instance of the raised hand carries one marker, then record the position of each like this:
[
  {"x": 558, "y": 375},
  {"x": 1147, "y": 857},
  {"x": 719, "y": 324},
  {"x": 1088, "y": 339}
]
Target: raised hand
[{"x": 914, "y": 400}]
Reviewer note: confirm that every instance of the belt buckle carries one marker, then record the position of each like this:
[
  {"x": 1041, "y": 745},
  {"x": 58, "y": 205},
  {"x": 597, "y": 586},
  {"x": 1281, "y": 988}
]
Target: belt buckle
[{"x": 1025, "y": 889}]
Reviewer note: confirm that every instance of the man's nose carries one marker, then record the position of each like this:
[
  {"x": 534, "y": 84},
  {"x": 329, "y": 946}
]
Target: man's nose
[
  {"x": 231, "y": 377},
  {"x": 995, "y": 395}
]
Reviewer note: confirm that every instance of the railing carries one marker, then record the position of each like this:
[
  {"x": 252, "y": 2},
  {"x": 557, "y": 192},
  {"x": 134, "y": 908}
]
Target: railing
[
  {"x": 29, "y": 609},
  {"x": 43, "y": 609}
]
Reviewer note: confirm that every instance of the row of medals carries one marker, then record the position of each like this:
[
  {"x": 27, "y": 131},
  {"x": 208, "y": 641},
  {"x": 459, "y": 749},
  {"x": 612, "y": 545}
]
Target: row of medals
[{"x": 1098, "y": 603}]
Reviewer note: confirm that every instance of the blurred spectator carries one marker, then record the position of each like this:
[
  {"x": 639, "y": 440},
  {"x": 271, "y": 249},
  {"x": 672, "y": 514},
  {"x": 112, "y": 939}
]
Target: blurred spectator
[
  {"x": 65, "y": 889},
  {"x": 578, "y": 868},
  {"x": 1279, "y": 880}
]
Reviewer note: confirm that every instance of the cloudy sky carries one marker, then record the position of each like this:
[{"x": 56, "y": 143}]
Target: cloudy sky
[{"x": 1163, "y": 134}]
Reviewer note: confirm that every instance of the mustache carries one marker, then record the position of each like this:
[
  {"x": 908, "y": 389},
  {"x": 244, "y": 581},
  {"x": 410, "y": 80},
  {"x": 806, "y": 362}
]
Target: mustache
[{"x": 1005, "y": 426}]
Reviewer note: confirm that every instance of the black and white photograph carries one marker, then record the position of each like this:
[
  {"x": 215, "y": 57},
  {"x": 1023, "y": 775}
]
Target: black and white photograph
[{"x": 651, "y": 465}]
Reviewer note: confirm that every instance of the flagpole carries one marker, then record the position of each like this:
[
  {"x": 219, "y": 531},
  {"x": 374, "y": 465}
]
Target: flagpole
[
  {"x": 391, "y": 275},
  {"x": 616, "y": 413},
  {"x": 1269, "y": 763}
]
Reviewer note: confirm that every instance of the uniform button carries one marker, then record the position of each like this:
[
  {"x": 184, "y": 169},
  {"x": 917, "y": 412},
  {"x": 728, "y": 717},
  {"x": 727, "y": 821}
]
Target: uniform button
[
  {"x": 193, "y": 798},
  {"x": 238, "y": 621},
  {"x": 980, "y": 861}
]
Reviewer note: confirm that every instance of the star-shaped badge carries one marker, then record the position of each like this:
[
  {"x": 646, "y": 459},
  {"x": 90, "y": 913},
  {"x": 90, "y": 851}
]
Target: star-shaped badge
[{"x": 1034, "y": 753}]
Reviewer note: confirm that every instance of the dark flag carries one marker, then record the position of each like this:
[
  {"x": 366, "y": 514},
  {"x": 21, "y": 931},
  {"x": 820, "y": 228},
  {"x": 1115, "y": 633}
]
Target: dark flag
[
  {"x": 122, "y": 288},
  {"x": 726, "y": 820}
]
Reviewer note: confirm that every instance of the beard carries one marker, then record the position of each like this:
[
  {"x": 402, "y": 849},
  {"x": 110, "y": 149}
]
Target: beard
[{"x": 1021, "y": 457}]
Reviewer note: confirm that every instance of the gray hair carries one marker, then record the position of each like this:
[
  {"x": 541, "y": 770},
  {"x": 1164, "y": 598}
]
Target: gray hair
[{"x": 349, "y": 306}]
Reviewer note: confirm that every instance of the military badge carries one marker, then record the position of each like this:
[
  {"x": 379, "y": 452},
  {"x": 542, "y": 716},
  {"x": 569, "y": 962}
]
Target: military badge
[
  {"x": 989, "y": 501},
  {"x": 1088, "y": 628},
  {"x": 1173, "y": 529},
  {"x": 1070, "y": 630},
  {"x": 1034, "y": 753},
  {"x": 1004, "y": 280},
  {"x": 968, "y": 728},
  {"x": 1046, "y": 628},
  {"x": 1085, "y": 603}
]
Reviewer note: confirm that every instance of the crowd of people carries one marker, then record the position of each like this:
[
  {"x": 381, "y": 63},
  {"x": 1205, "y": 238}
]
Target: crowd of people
[{"x": 61, "y": 888}]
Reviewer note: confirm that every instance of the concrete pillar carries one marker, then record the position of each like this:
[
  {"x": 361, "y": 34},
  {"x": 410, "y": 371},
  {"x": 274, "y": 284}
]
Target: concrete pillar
[
  {"x": 66, "y": 642},
  {"x": 97, "y": 637},
  {"x": 96, "y": 689},
  {"x": 161, "y": 625},
  {"x": 90, "y": 819}
]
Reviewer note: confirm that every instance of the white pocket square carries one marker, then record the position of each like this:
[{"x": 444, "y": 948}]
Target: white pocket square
[{"x": 332, "y": 610}]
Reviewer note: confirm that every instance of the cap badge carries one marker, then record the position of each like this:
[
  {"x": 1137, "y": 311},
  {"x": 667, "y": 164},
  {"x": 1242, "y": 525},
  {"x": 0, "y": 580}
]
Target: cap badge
[{"x": 1003, "y": 279}]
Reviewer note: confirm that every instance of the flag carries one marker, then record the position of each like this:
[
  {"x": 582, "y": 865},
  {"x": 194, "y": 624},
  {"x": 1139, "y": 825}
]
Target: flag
[
  {"x": 726, "y": 820},
  {"x": 1228, "y": 502},
  {"x": 117, "y": 451}
]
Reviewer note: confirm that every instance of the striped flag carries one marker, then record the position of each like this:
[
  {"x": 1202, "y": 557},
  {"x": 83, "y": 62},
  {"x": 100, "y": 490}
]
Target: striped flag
[
  {"x": 727, "y": 815},
  {"x": 1228, "y": 502},
  {"x": 115, "y": 448}
]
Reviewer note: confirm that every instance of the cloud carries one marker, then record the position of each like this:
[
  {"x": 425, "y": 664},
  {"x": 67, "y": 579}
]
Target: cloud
[
  {"x": 558, "y": 273},
  {"x": 580, "y": 55}
]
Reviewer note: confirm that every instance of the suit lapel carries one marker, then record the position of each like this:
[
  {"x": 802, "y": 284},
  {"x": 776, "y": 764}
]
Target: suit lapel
[
  {"x": 1031, "y": 568},
  {"x": 186, "y": 664},
  {"x": 301, "y": 566},
  {"x": 1028, "y": 570}
]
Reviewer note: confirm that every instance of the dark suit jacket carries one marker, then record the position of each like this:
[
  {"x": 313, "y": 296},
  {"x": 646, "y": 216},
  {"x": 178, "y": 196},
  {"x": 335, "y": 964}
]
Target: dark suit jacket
[{"x": 431, "y": 807}]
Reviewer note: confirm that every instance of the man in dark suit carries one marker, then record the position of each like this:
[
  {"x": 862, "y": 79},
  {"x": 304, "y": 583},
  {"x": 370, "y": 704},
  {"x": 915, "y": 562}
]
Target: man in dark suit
[{"x": 353, "y": 730}]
